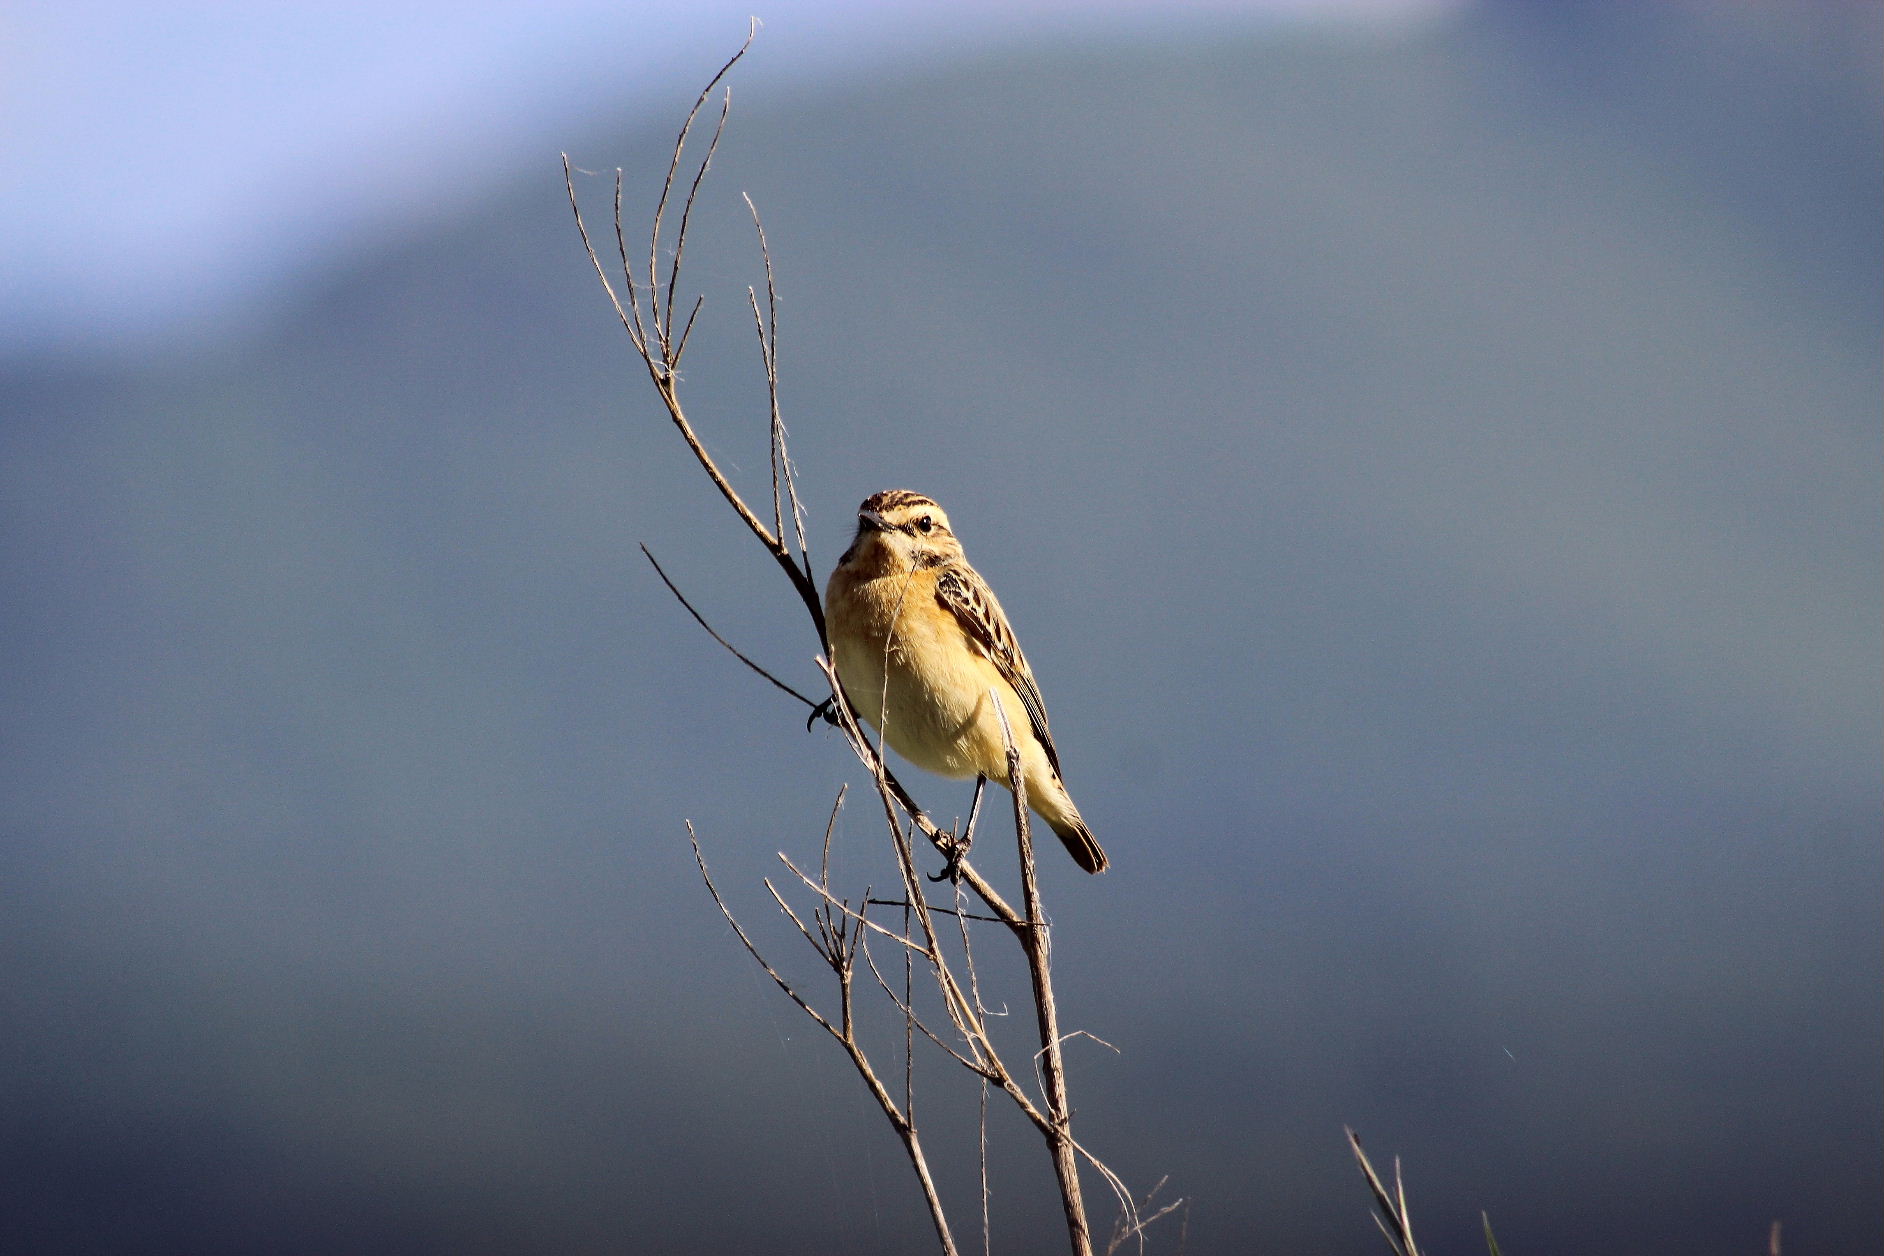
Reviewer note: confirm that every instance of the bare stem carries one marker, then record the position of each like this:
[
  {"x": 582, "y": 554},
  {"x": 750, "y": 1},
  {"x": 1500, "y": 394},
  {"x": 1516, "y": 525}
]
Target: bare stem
[{"x": 1036, "y": 944}]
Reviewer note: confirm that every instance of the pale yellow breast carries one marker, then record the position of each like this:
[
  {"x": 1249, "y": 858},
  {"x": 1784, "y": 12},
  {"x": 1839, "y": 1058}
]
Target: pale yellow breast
[{"x": 910, "y": 672}]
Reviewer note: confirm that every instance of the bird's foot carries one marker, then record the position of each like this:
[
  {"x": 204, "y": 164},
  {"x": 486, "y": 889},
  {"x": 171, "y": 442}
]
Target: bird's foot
[
  {"x": 958, "y": 848},
  {"x": 952, "y": 866}
]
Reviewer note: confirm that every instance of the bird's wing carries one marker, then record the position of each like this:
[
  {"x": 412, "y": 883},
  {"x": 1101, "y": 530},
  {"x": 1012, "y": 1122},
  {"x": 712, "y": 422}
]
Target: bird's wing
[{"x": 964, "y": 594}]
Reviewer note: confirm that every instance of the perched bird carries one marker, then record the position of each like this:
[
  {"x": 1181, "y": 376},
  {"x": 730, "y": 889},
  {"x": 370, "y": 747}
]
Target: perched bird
[{"x": 920, "y": 646}]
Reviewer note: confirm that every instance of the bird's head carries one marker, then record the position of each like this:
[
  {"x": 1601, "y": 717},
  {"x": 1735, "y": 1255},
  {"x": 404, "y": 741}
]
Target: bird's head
[{"x": 911, "y": 527}]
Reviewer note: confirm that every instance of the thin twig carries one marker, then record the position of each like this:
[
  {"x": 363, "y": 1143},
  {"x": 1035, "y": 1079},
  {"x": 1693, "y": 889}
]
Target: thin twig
[
  {"x": 966, "y": 1023},
  {"x": 940, "y": 911},
  {"x": 769, "y": 344},
  {"x": 631, "y": 325},
  {"x": 909, "y": 1017},
  {"x": 1132, "y": 1226},
  {"x": 1036, "y": 944},
  {"x": 686, "y": 208},
  {"x": 686, "y": 332},
  {"x": 857, "y": 915},
  {"x": 662, "y": 329},
  {"x": 828, "y": 922},
  {"x": 987, "y": 1191},
  {"x": 638, "y": 333},
  {"x": 898, "y": 797},
  {"x": 1128, "y": 1207},
  {"x": 902, "y": 1004},
  {"x": 832, "y": 956},
  {"x": 846, "y": 1037},
  {"x": 701, "y": 620},
  {"x": 747, "y": 942},
  {"x": 765, "y": 355}
]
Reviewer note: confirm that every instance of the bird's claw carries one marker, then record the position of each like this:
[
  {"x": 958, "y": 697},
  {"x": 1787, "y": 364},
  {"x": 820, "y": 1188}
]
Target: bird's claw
[
  {"x": 826, "y": 711},
  {"x": 952, "y": 867}
]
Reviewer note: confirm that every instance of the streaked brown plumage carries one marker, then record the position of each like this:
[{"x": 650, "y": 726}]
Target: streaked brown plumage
[{"x": 920, "y": 643}]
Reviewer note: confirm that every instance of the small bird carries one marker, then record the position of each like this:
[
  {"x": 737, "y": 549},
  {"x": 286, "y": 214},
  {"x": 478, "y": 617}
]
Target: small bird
[{"x": 920, "y": 646}]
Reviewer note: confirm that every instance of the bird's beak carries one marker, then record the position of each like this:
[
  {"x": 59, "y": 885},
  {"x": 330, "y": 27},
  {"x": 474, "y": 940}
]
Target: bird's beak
[{"x": 872, "y": 521}]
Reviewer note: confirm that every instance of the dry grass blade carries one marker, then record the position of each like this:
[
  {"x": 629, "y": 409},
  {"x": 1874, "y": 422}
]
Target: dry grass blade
[
  {"x": 1390, "y": 1210},
  {"x": 1491, "y": 1240}
]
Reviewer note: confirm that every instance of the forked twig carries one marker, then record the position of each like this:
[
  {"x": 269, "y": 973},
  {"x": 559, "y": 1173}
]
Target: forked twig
[
  {"x": 903, "y": 1005},
  {"x": 751, "y": 949},
  {"x": 664, "y": 326},
  {"x": 846, "y": 1037},
  {"x": 1132, "y": 1225},
  {"x": 653, "y": 333},
  {"x": 630, "y": 315}
]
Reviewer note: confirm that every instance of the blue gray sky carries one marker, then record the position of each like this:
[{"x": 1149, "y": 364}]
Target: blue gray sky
[{"x": 169, "y": 163}]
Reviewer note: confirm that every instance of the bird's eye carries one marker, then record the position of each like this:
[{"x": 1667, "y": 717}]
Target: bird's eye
[{"x": 924, "y": 524}]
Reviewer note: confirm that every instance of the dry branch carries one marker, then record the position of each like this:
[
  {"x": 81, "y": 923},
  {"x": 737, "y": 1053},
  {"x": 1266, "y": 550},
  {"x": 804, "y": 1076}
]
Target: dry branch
[{"x": 646, "y": 303}]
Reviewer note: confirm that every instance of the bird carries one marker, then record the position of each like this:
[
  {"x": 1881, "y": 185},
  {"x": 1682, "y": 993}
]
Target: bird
[{"x": 923, "y": 650}]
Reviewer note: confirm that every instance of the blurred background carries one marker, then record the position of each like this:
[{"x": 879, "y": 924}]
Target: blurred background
[{"x": 1430, "y": 451}]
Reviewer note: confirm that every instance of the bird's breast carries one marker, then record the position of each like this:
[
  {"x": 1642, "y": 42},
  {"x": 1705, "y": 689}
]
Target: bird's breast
[{"x": 908, "y": 671}]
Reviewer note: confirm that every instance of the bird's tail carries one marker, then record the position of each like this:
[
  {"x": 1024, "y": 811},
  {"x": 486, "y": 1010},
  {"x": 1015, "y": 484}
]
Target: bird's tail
[
  {"x": 1080, "y": 843},
  {"x": 1048, "y": 799}
]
